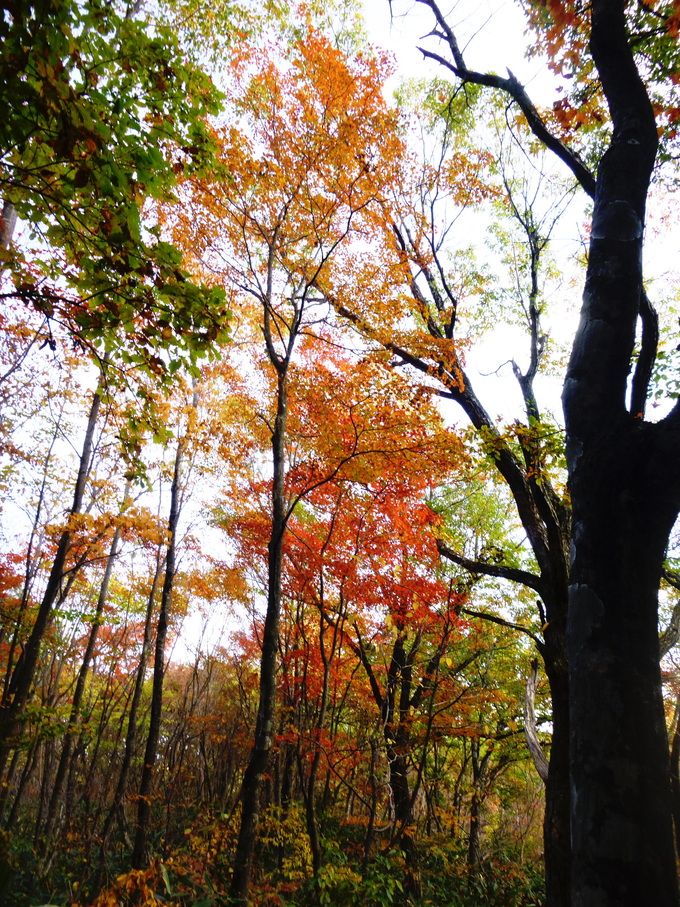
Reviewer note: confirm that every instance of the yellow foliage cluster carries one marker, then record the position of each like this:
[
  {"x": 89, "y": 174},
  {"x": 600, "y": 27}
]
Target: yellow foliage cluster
[{"x": 136, "y": 887}]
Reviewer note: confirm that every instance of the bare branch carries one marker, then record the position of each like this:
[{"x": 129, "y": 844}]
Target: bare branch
[
  {"x": 484, "y": 615},
  {"x": 502, "y": 571},
  {"x": 645, "y": 361}
]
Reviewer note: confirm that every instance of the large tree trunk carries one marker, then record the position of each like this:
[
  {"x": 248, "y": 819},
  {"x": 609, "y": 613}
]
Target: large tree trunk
[
  {"x": 621, "y": 823},
  {"x": 623, "y": 476}
]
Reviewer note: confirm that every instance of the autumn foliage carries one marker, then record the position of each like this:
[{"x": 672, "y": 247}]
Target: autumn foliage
[{"x": 236, "y": 328}]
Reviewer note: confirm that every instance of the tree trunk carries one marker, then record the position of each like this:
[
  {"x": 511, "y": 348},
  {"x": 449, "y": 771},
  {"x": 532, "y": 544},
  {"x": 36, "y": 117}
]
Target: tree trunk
[
  {"x": 675, "y": 775},
  {"x": 309, "y": 789},
  {"x": 145, "y": 786},
  {"x": 370, "y": 827},
  {"x": 32, "y": 559},
  {"x": 622, "y": 836},
  {"x": 623, "y": 479},
  {"x": 8, "y": 221},
  {"x": 474, "y": 850},
  {"x": 403, "y": 815},
  {"x": 266, "y": 713},
  {"x": 530, "y": 728},
  {"x": 556, "y": 820},
  {"x": 131, "y": 732}
]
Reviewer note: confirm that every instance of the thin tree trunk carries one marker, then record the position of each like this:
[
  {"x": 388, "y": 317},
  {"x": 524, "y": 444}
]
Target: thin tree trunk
[
  {"x": 8, "y": 221},
  {"x": 131, "y": 733},
  {"x": 310, "y": 792},
  {"x": 30, "y": 570},
  {"x": 474, "y": 851},
  {"x": 675, "y": 775},
  {"x": 397, "y": 751},
  {"x": 145, "y": 787},
  {"x": 26, "y": 774},
  {"x": 74, "y": 717},
  {"x": 530, "y": 729},
  {"x": 556, "y": 822},
  {"x": 266, "y": 713}
]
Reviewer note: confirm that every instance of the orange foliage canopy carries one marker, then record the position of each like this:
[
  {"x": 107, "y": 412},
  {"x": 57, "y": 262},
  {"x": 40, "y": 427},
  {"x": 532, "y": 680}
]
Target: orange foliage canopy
[
  {"x": 310, "y": 147},
  {"x": 562, "y": 29}
]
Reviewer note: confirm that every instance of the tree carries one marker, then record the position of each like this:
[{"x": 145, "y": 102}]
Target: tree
[
  {"x": 139, "y": 854},
  {"x": 621, "y": 524},
  {"x": 358, "y": 544},
  {"x": 370, "y": 560},
  {"x": 386, "y": 710},
  {"x": 23, "y": 672},
  {"x": 623, "y": 477},
  {"x": 275, "y": 227},
  {"x": 79, "y": 692}
]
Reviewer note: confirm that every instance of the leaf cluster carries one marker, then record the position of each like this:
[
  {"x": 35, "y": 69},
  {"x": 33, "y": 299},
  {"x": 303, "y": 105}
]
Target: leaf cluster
[{"x": 101, "y": 115}]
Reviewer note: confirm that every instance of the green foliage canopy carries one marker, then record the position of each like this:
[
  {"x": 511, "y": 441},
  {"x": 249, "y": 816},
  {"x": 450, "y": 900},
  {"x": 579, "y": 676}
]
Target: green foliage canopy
[{"x": 100, "y": 116}]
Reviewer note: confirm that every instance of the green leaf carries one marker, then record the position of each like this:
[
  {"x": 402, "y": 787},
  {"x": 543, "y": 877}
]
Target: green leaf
[{"x": 166, "y": 879}]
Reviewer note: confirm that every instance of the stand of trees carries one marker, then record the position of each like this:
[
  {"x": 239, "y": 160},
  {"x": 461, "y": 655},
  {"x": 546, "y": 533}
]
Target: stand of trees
[{"x": 236, "y": 397}]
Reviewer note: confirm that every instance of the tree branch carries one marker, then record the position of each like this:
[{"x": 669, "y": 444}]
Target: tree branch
[
  {"x": 513, "y": 574},
  {"x": 645, "y": 361},
  {"x": 484, "y": 615},
  {"x": 530, "y": 729},
  {"x": 515, "y": 90}
]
